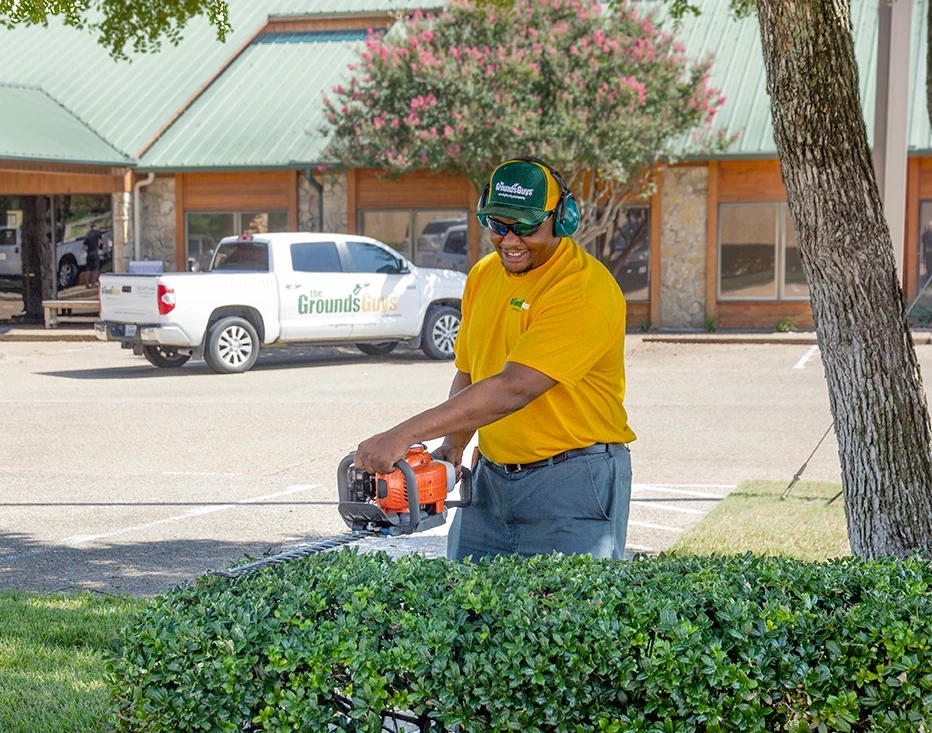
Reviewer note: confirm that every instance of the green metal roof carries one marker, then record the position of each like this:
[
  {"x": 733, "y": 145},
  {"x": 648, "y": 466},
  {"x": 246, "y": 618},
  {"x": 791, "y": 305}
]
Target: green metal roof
[
  {"x": 738, "y": 70},
  {"x": 264, "y": 111},
  {"x": 36, "y": 127},
  {"x": 127, "y": 103}
]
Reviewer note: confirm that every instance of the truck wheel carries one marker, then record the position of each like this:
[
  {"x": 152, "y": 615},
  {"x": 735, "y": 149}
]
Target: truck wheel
[
  {"x": 440, "y": 328},
  {"x": 232, "y": 346},
  {"x": 67, "y": 272},
  {"x": 378, "y": 349},
  {"x": 164, "y": 357}
]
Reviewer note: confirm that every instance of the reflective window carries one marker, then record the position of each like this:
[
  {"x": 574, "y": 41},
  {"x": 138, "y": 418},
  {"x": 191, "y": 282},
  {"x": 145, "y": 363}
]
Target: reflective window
[
  {"x": 205, "y": 229},
  {"x": 243, "y": 256},
  {"x": 435, "y": 231},
  {"x": 440, "y": 235},
  {"x": 629, "y": 260},
  {"x": 390, "y": 227},
  {"x": 794, "y": 279},
  {"x": 315, "y": 257},
  {"x": 369, "y": 258},
  {"x": 758, "y": 254},
  {"x": 925, "y": 243},
  {"x": 919, "y": 310}
]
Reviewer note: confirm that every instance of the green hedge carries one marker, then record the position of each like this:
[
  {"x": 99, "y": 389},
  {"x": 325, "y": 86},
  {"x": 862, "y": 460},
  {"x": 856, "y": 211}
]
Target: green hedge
[{"x": 668, "y": 644}]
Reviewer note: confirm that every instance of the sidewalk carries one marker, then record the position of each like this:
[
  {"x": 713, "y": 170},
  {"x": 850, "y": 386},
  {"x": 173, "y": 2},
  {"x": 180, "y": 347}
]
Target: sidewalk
[{"x": 40, "y": 333}]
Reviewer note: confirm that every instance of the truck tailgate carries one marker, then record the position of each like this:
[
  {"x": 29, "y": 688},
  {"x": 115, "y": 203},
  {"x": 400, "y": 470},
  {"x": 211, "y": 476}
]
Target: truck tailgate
[{"x": 129, "y": 298}]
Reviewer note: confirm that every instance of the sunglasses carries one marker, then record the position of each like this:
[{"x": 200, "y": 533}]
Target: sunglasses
[{"x": 520, "y": 229}]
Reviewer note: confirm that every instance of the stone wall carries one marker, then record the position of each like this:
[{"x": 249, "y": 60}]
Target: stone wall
[
  {"x": 122, "y": 206},
  {"x": 159, "y": 226},
  {"x": 684, "y": 217},
  {"x": 335, "y": 218}
]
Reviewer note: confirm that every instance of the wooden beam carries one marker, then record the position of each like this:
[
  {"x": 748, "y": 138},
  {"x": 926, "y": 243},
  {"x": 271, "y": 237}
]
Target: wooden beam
[
  {"x": 293, "y": 203},
  {"x": 656, "y": 229},
  {"x": 711, "y": 236},
  {"x": 351, "y": 200},
  {"x": 180, "y": 241}
]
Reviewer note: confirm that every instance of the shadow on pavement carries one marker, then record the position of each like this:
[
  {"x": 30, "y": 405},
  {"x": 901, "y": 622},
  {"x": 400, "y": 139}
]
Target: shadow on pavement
[
  {"x": 270, "y": 359},
  {"x": 141, "y": 569}
]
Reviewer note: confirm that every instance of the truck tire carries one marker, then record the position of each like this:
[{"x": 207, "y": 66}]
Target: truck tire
[
  {"x": 67, "y": 272},
  {"x": 441, "y": 325},
  {"x": 386, "y": 347},
  {"x": 232, "y": 346},
  {"x": 164, "y": 357}
]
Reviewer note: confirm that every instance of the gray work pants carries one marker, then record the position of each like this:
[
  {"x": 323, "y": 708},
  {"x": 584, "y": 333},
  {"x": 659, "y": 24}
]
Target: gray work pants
[{"x": 578, "y": 506}]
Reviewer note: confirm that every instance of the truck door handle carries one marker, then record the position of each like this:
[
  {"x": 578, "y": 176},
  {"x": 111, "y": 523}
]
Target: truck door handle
[
  {"x": 412, "y": 287},
  {"x": 293, "y": 286}
]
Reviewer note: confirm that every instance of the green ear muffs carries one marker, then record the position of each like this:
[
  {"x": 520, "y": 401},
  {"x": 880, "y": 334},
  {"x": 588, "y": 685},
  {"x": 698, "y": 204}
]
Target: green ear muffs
[{"x": 566, "y": 215}]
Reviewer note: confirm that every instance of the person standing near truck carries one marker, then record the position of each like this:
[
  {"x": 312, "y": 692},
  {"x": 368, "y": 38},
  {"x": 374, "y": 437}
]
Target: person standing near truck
[
  {"x": 92, "y": 245},
  {"x": 540, "y": 374}
]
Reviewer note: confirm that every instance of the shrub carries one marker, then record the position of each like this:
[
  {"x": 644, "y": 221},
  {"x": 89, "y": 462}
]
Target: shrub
[{"x": 674, "y": 644}]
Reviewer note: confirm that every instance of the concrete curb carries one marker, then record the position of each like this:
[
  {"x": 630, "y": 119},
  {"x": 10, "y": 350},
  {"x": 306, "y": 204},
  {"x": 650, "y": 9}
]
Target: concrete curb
[{"x": 41, "y": 334}]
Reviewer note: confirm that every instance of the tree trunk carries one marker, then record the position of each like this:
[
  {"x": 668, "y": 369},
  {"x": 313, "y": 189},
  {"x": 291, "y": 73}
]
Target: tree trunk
[
  {"x": 875, "y": 388},
  {"x": 38, "y": 270}
]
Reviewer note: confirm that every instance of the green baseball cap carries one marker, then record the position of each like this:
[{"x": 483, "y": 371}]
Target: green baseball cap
[{"x": 521, "y": 190}]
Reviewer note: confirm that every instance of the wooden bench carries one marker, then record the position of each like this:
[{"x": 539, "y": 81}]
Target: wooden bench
[{"x": 54, "y": 311}]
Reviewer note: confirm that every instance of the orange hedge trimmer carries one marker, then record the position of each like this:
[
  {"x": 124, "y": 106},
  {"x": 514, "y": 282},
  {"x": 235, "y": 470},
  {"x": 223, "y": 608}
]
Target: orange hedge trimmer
[{"x": 410, "y": 499}]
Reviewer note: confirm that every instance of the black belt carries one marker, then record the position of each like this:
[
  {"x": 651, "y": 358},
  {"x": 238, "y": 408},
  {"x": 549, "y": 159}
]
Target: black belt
[{"x": 553, "y": 460}]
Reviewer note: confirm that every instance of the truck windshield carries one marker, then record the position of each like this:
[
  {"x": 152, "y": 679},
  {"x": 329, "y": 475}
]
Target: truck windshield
[{"x": 248, "y": 256}]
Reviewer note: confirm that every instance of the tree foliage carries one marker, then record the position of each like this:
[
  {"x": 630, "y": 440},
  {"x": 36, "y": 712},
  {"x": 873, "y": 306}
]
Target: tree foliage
[
  {"x": 601, "y": 97},
  {"x": 140, "y": 24}
]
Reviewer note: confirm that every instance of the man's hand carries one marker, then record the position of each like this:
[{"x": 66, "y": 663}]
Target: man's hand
[
  {"x": 379, "y": 453},
  {"x": 452, "y": 453}
]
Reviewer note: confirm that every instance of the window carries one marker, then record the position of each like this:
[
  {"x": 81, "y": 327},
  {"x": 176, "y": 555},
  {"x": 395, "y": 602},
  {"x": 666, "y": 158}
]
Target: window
[
  {"x": 758, "y": 257},
  {"x": 629, "y": 261},
  {"x": 925, "y": 244},
  {"x": 315, "y": 257},
  {"x": 243, "y": 256},
  {"x": 369, "y": 258},
  {"x": 205, "y": 229},
  {"x": 434, "y": 228}
]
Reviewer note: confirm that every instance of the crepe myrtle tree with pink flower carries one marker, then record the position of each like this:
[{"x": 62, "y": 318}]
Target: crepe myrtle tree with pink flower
[{"x": 602, "y": 97}]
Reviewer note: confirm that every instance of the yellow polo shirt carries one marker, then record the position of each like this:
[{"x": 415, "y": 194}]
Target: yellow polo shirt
[{"x": 566, "y": 319}]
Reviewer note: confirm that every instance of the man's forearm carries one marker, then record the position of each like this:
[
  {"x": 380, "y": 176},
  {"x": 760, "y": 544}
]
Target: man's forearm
[{"x": 474, "y": 406}]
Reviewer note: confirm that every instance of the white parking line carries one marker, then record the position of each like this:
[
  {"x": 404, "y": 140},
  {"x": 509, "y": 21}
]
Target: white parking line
[
  {"x": 648, "y": 525},
  {"x": 199, "y": 512},
  {"x": 668, "y": 508},
  {"x": 669, "y": 489},
  {"x": 806, "y": 357}
]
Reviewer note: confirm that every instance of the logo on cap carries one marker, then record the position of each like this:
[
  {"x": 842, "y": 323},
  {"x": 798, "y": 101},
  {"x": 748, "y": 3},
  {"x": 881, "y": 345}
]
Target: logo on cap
[{"x": 514, "y": 191}]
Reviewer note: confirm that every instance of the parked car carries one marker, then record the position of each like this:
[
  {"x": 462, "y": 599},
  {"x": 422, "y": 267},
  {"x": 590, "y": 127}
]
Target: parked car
[
  {"x": 11, "y": 256},
  {"x": 452, "y": 252},
  {"x": 432, "y": 236},
  {"x": 283, "y": 288},
  {"x": 72, "y": 258}
]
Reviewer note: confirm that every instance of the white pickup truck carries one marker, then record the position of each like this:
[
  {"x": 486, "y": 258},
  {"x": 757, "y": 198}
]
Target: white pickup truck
[{"x": 282, "y": 288}]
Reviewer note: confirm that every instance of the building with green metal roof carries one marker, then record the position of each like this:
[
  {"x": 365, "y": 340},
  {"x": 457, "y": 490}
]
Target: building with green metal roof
[{"x": 205, "y": 139}]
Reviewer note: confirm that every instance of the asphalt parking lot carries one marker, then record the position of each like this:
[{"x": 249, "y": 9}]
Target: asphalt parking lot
[{"x": 116, "y": 476}]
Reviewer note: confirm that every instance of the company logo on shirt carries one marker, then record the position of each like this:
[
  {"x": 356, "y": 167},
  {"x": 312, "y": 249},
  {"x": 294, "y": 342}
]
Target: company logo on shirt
[
  {"x": 314, "y": 302},
  {"x": 519, "y": 305}
]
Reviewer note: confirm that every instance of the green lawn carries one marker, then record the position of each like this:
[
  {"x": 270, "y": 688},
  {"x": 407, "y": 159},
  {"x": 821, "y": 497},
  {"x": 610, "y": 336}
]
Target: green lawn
[
  {"x": 752, "y": 518},
  {"x": 52, "y": 650}
]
